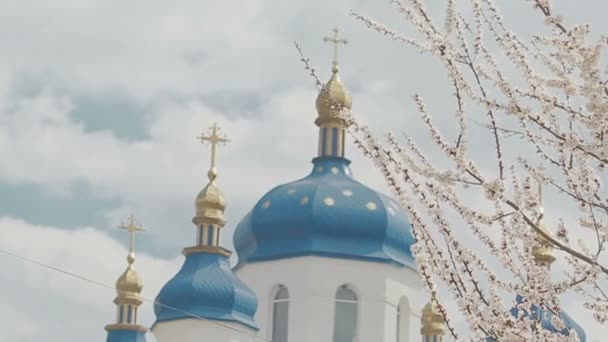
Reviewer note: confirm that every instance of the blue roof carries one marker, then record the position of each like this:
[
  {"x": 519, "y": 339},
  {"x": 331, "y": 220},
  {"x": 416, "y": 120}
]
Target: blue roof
[
  {"x": 545, "y": 316},
  {"x": 126, "y": 336},
  {"x": 206, "y": 287},
  {"x": 326, "y": 213}
]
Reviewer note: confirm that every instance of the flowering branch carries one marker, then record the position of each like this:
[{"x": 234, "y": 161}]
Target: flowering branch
[{"x": 556, "y": 102}]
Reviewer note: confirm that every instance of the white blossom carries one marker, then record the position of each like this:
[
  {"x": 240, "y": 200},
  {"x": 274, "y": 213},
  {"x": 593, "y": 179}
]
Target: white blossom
[{"x": 548, "y": 126}]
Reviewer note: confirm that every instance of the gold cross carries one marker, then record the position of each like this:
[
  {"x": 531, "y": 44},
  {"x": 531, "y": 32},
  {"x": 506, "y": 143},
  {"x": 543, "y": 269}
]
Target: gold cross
[
  {"x": 214, "y": 138},
  {"x": 132, "y": 227},
  {"x": 336, "y": 39},
  {"x": 540, "y": 199}
]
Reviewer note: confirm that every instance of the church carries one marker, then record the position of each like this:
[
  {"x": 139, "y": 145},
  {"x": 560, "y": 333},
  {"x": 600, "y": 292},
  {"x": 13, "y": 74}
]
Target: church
[{"x": 323, "y": 258}]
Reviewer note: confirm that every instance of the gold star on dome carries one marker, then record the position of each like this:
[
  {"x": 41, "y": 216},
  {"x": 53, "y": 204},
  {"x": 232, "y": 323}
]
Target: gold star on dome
[
  {"x": 266, "y": 204},
  {"x": 291, "y": 191},
  {"x": 329, "y": 201},
  {"x": 347, "y": 193},
  {"x": 320, "y": 169},
  {"x": 304, "y": 200},
  {"x": 334, "y": 170},
  {"x": 371, "y": 206}
]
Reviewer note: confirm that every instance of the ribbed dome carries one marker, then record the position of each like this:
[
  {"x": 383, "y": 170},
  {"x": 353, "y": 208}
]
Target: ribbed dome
[
  {"x": 333, "y": 98},
  {"x": 545, "y": 318},
  {"x": 129, "y": 284},
  {"x": 128, "y": 288},
  {"x": 210, "y": 202},
  {"x": 206, "y": 287},
  {"x": 432, "y": 322},
  {"x": 326, "y": 213},
  {"x": 543, "y": 252}
]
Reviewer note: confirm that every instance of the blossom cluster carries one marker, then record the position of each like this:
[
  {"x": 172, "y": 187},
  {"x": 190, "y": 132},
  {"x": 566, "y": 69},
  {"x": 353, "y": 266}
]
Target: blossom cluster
[{"x": 544, "y": 101}]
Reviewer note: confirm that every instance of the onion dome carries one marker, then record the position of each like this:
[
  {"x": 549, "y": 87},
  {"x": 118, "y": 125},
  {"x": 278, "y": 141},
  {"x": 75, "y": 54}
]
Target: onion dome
[
  {"x": 205, "y": 287},
  {"x": 543, "y": 256},
  {"x": 210, "y": 202},
  {"x": 129, "y": 285},
  {"x": 328, "y": 212},
  {"x": 332, "y": 99},
  {"x": 543, "y": 252},
  {"x": 546, "y": 317},
  {"x": 432, "y": 324},
  {"x": 128, "y": 288}
]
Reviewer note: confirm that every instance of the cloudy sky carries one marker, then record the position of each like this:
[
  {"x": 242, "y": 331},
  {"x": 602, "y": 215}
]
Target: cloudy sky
[{"x": 100, "y": 104}]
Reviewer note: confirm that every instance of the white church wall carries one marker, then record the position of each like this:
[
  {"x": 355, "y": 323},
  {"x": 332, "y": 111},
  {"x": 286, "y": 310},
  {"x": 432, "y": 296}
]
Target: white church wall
[
  {"x": 411, "y": 310},
  {"x": 312, "y": 283},
  {"x": 196, "y": 330}
]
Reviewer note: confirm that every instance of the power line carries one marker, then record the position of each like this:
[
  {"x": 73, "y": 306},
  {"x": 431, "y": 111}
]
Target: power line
[{"x": 77, "y": 276}]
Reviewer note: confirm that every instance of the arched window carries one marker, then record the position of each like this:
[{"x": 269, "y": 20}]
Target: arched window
[
  {"x": 345, "y": 318},
  {"x": 398, "y": 334},
  {"x": 280, "y": 315},
  {"x": 403, "y": 320}
]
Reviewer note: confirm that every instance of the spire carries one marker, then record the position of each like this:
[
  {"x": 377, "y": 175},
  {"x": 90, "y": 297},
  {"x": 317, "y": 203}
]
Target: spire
[
  {"x": 336, "y": 40},
  {"x": 331, "y": 101},
  {"x": 210, "y": 203},
  {"x": 433, "y": 325},
  {"x": 542, "y": 252},
  {"x": 128, "y": 288}
]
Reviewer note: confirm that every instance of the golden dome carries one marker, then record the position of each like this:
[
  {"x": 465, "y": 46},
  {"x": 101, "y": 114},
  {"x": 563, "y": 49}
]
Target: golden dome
[
  {"x": 543, "y": 252},
  {"x": 210, "y": 203},
  {"x": 432, "y": 322},
  {"x": 129, "y": 285},
  {"x": 332, "y": 99}
]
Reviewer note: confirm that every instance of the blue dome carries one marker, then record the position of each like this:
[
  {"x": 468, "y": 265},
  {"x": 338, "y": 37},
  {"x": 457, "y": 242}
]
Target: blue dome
[
  {"x": 126, "y": 336},
  {"x": 326, "y": 213},
  {"x": 206, "y": 287},
  {"x": 545, "y": 317}
]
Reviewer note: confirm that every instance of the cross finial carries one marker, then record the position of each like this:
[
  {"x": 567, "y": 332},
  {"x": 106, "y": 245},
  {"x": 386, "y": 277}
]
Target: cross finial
[
  {"x": 132, "y": 227},
  {"x": 213, "y": 138},
  {"x": 335, "y": 39},
  {"x": 541, "y": 210}
]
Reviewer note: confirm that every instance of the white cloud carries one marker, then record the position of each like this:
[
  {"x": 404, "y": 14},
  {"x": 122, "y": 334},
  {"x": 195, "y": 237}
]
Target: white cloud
[
  {"x": 38, "y": 303},
  {"x": 166, "y": 56},
  {"x": 159, "y": 177}
]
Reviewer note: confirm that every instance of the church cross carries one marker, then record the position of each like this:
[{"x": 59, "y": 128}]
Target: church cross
[
  {"x": 540, "y": 198},
  {"x": 132, "y": 227},
  {"x": 214, "y": 138},
  {"x": 335, "y": 39}
]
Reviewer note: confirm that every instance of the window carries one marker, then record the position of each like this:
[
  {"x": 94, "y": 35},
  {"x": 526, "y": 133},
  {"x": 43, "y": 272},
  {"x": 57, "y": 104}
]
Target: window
[
  {"x": 403, "y": 320},
  {"x": 399, "y": 339},
  {"x": 280, "y": 315},
  {"x": 345, "y": 319}
]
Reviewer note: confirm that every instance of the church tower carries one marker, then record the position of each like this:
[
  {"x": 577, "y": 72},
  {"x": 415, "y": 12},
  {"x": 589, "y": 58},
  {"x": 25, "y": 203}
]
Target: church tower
[
  {"x": 328, "y": 257},
  {"x": 205, "y": 300},
  {"x": 433, "y": 325},
  {"x": 543, "y": 257},
  {"x": 128, "y": 288}
]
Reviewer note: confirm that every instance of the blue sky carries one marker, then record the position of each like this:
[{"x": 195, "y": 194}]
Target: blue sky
[{"x": 100, "y": 104}]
